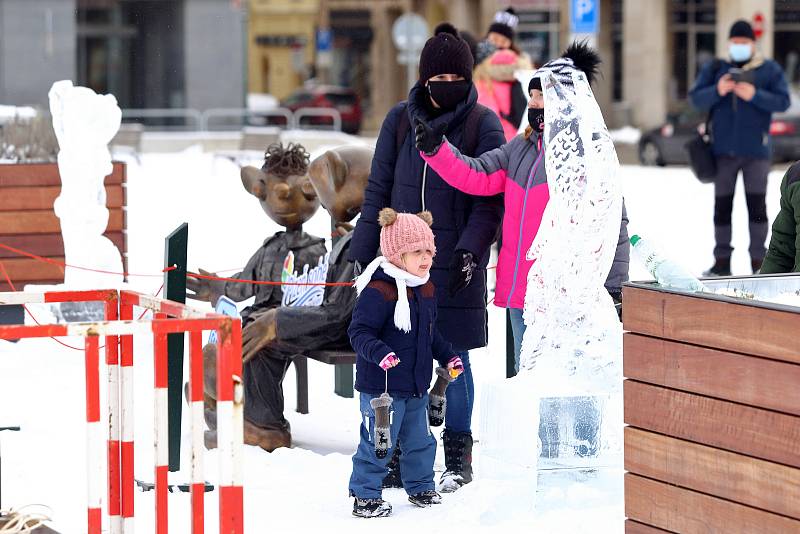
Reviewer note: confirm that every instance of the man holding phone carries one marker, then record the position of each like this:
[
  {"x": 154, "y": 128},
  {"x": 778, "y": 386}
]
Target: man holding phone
[{"x": 741, "y": 94}]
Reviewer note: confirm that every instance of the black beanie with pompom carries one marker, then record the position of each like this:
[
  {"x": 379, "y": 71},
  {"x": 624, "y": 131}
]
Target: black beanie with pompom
[{"x": 445, "y": 53}]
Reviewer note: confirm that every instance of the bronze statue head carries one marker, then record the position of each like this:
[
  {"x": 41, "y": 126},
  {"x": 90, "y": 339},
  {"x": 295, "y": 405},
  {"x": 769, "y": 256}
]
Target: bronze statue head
[
  {"x": 282, "y": 185},
  {"x": 339, "y": 177}
]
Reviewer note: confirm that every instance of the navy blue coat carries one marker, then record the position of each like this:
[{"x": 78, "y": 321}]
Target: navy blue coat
[
  {"x": 740, "y": 128},
  {"x": 403, "y": 181},
  {"x": 373, "y": 335}
]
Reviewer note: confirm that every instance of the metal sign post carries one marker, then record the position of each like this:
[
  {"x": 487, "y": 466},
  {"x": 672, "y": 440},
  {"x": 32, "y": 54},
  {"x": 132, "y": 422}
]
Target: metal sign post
[
  {"x": 584, "y": 20},
  {"x": 409, "y": 33},
  {"x": 175, "y": 253}
]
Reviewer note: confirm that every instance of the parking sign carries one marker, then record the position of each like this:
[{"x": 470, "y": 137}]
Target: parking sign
[{"x": 584, "y": 16}]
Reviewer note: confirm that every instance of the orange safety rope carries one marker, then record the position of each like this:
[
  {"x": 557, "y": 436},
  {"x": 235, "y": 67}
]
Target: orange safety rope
[{"x": 62, "y": 264}]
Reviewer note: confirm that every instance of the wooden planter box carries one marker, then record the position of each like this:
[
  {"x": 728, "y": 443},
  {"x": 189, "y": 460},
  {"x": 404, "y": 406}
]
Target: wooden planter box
[
  {"x": 28, "y": 222},
  {"x": 712, "y": 400}
]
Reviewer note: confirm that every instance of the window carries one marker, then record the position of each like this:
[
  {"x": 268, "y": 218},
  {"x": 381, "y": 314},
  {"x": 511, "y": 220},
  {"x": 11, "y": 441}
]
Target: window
[
  {"x": 787, "y": 39},
  {"x": 537, "y": 33},
  {"x": 693, "y": 32}
]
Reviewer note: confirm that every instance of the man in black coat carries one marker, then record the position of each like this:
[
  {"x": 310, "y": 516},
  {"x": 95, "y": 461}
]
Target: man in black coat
[{"x": 464, "y": 226}]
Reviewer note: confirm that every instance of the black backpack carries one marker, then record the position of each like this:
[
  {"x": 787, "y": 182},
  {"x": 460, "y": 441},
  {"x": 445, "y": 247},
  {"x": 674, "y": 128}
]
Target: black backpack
[{"x": 471, "y": 129}]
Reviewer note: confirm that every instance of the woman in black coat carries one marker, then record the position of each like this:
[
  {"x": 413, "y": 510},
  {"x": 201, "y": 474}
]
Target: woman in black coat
[{"x": 464, "y": 226}]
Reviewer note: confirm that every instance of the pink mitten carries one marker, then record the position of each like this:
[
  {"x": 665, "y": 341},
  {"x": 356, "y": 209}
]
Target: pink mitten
[
  {"x": 389, "y": 361},
  {"x": 455, "y": 366}
]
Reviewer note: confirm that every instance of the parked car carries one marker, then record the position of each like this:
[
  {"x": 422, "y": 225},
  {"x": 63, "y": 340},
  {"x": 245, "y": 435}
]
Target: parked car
[
  {"x": 342, "y": 99},
  {"x": 665, "y": 145}
]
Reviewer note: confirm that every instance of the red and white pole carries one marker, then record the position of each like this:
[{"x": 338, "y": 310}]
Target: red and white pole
[
  {"x": 198, "y": 425},
  {"x": 126, "y": 421},
  {"x": 161, "y": 434},
  {"x": 94, "y": 435},
  {"x": 114, "y": 455},
  {"x": 230, "y": 427}
]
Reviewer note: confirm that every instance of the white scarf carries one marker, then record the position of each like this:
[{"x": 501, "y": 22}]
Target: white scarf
[{"x": 402, "y": 311}]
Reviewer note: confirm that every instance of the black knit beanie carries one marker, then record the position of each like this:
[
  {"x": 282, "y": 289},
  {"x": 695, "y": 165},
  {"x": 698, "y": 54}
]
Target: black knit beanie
[
  {"x": 502, "y": 29},
  {"x": 742, "y": 28},
  {"x": 445, "y": 53},
  {"x": 504, "y": 23}
]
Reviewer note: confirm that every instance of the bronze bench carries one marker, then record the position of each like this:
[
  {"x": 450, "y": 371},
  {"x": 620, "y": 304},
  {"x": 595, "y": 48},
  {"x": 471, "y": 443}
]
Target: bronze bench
[{"x": 343, "y": 360}]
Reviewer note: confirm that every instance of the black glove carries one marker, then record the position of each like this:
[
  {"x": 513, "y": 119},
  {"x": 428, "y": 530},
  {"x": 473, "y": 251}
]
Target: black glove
[
  {"x": 428, "y": 139},
  {"x": 461, "y": 268},
  {"x": 357, "y": 268},
  {"x": 616, "y": 296}
]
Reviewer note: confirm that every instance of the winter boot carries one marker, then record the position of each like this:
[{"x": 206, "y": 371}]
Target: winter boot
[
  {"x": 425, "y": 499},
  {"x": 266, "y": 438},
  {"x": 392, "y": 479},
  {"x": 457, "y": 460},
  {"x": 756, "y": 264},
  {"x": 371, "y": 508},
  {"x": 721, "y": 267}
]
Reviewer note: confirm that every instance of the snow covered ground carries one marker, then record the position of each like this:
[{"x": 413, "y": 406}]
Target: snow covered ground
[{"x": 41, "y": 382}]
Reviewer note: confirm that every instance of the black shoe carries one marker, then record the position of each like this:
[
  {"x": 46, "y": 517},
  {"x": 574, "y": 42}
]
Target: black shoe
[
  {"x": 457, "y": 460},
  {"x": 393, "y": 480},
  {"x": 425, "y": 499},
  {"x": 721, "y": 267},
  {"x": 371, "y": 508},
  {"x": 756, "y": 265}
]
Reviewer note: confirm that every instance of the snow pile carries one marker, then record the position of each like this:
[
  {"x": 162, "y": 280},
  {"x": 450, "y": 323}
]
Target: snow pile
[
  {"x": 9, "y": 113},
  {"x": 627, "y": 135}
]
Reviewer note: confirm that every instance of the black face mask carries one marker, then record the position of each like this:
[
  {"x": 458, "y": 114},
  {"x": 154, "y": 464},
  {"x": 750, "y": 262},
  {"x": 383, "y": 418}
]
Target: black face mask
[
  {"x": 536, "y": 119},
  {"x": 449, "y": 94}
]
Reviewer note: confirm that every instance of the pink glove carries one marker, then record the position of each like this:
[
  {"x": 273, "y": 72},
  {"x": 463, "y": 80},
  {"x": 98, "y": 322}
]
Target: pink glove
[
  {"x": 389, "y": 361},
  {"x": 455, "y": 366}
]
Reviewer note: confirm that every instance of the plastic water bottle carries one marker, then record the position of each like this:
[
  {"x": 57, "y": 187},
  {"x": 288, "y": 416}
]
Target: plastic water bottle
[{"x": 666, "y": 272}]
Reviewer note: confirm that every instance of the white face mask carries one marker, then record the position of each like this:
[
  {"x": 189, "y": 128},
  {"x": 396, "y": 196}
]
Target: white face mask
[{"x": 740, "y": 52}]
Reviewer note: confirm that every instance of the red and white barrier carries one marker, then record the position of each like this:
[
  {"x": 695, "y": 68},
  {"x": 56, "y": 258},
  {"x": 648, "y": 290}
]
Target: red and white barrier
[
  {"x": 126, "y": 422},
  {"x": 119, "y": 329}
]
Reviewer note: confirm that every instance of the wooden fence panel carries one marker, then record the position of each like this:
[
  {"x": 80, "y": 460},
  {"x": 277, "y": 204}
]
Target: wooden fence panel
[{"x": 688, "y": 512}]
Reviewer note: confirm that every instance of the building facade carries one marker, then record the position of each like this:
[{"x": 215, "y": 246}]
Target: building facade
[
  {"x": 210, "y": 53},
  {"x": 148, "y": 53}
]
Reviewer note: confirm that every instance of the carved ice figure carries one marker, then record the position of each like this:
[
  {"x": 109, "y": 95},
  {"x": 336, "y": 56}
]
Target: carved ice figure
[
  {"x": 84, "y": 123},
  {"x": 571, "y": 351}
]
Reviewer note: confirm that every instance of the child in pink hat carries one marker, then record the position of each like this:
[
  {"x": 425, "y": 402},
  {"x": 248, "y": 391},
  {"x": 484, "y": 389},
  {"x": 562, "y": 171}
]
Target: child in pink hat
[{"x": 393, "y": 331}]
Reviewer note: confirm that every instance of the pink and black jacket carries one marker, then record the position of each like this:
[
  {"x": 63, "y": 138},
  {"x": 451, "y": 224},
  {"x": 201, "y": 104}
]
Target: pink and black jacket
[{"x": 516, "y": 169}]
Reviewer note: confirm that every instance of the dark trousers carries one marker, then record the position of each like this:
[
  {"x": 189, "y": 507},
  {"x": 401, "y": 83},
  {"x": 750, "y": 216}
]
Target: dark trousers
[
  {"x": 754, "y": 172},
  {"x": 263, "y": 389}
]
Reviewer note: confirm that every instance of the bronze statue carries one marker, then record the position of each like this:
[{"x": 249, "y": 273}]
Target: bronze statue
[
  {"x": 270, "y": 339},
  {"x": 287, "y": 196}
]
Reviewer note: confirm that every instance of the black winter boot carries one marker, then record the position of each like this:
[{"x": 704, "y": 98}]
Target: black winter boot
[
  {"x": 756, "y": 264},
  {"x": 721, "y": 267},
  {"x": 371, "y": 508},
  {"x": 392, "y": 479},
  {"x": 425, "y": 499},
  {"x": 457, "y": 460}
]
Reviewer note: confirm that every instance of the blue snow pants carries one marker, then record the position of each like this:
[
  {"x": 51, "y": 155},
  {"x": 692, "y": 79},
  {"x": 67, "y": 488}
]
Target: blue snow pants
[{"x": 409, "y": 425}]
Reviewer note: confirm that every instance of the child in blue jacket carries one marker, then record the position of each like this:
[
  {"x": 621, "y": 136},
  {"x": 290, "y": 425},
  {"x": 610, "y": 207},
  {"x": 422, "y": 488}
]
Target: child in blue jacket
[{"x": 394, "y": 335}]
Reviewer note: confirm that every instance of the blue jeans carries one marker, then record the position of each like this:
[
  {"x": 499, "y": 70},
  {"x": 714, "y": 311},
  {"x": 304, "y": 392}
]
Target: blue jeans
[
  {"x": 460, "y": 396},
  {"x": 409, "y": 424},
  {"x": 518, "y": 328}
]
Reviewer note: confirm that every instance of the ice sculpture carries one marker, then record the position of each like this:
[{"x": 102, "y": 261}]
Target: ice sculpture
[
  {"x": 561, "y": 417},
  {"x": 84, "y": 123},
  {"x": 571, "y": 352}
]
